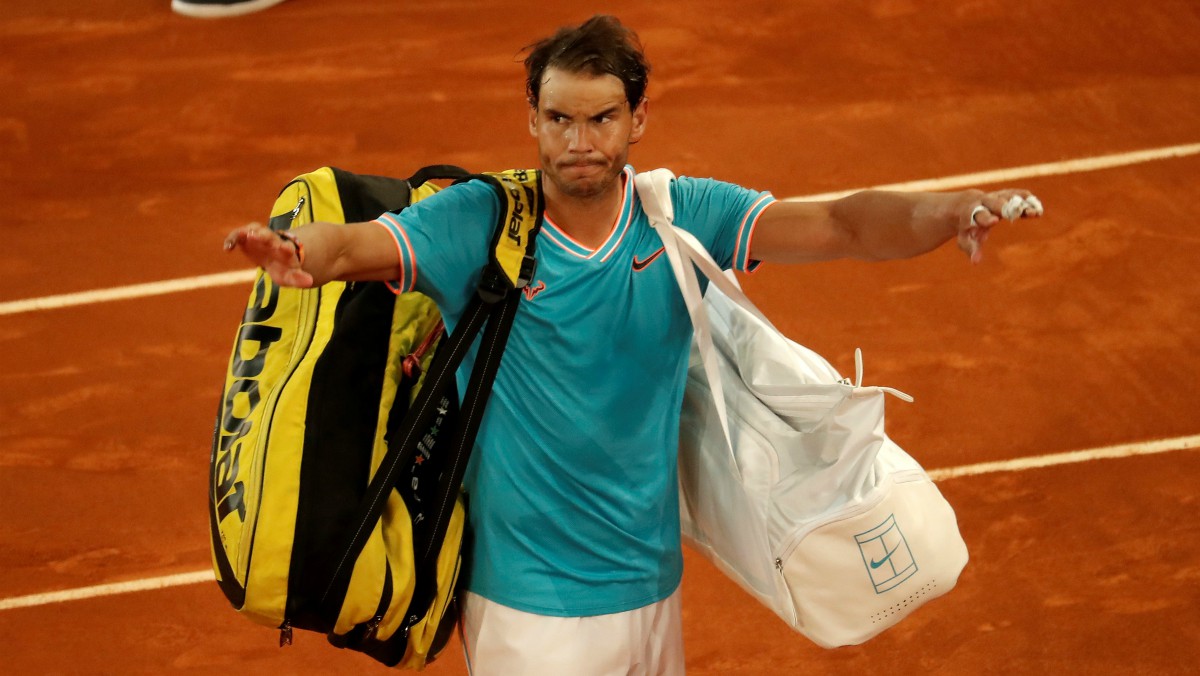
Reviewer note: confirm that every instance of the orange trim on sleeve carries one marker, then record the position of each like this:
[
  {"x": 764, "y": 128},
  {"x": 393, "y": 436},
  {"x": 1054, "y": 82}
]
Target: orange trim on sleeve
[
  {"x": 389, "y": 223},
  {"x": 741, "y": 260}
]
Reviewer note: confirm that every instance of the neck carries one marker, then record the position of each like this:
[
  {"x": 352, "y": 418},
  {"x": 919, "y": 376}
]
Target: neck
[{"x": 588, "y": 220}]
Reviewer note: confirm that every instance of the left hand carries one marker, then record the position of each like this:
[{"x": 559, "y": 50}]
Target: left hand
[{"x": 984, "y": 210}]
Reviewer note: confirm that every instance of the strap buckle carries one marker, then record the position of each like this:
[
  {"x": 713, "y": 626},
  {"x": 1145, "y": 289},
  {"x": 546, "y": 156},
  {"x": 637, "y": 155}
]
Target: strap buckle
[{"x": 494, "y": 285}]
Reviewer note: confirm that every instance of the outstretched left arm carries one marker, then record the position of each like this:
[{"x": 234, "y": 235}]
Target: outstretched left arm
[{"x": 881, "y": 225}]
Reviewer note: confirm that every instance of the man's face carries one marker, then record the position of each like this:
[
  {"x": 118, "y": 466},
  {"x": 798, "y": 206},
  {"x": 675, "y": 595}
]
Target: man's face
[{"x": 584, "y": 127}]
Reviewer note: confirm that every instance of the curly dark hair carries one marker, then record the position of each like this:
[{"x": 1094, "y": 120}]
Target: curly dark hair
[{"x": 598, "y": 46}]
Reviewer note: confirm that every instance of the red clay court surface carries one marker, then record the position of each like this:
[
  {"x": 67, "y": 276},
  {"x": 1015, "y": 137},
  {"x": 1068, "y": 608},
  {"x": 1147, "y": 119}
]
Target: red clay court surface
[{"x": 132, "y": 140}]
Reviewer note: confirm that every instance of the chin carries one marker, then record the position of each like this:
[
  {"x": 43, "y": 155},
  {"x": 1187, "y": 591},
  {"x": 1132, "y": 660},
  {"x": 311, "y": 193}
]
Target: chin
[{"x": 584, "y": 188}]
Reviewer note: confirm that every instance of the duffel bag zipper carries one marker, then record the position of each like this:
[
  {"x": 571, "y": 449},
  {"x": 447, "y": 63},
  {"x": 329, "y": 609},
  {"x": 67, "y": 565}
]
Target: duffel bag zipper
[
  {"x": 878, "y": 493},
  {"x": 385, "y": 600},
  {"x": 310, "y": 309},
  {"x": 371, "y": 626}
]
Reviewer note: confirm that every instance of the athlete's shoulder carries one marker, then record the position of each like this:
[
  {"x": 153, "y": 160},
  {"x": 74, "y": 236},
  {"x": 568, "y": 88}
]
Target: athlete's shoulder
[
  {"x": 473, "y": 189},
  {"x": 463, "y": 201},
  {"x": 687, "y": 190},
  {"x": 706, "y": 183}
]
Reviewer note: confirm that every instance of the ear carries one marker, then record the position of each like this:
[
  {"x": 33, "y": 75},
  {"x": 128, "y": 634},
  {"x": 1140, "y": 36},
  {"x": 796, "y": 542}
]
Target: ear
[
  {"x": 639, "y": 120},
  {"x": 533, "y": 119}
]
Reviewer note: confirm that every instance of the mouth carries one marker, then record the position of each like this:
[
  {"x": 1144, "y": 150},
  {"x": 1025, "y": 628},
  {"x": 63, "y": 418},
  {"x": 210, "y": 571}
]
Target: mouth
[
  {"x": 581, "y": 166},
  {"x": 582, "y": 170}
]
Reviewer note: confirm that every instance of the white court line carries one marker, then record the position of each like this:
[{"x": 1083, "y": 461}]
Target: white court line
[
  {"x": 127, "y": 292},
  {"x": 1016, "y": 465},
  {"x": 1103, "y": 453},
  {"x": 145, "y": 584},
  {"x": 945, "y": 183},
  {"x": 1028, "y": 171}
]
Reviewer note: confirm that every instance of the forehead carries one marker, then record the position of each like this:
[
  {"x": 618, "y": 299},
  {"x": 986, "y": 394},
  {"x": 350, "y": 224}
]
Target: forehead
[{"x": 582, "y": 93}]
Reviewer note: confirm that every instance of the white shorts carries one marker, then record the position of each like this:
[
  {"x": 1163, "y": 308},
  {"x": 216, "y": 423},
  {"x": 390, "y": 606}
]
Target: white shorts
[{"x": 502, "y": 641}]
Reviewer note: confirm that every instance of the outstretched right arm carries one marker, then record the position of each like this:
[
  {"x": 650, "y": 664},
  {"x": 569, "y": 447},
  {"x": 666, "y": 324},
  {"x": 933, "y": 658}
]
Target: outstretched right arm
[{"x": 317, "y": 253}]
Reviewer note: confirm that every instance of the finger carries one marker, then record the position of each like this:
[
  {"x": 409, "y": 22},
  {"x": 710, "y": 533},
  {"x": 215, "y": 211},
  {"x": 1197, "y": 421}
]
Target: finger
[
  {"x": 294, "y": 277},
  {"x": 268, "y": 245},
  {"x": 247, "y": 234},
  {"x": 973, "y": 250},
  {"x": 976, "y": 230},
  {"x": 1036, "y": 209},
  {"x": 1012, "y": 209},
  {"x": 1008, "y": 193},
  {"x": 982, "y": 216},
  {"x": 302, "y": 279},
  {"x": 968, "y": 241},
  {"x": 994, "y": 203},
  {"x": 1014, "y": 204},
  {"x": 1022, "y": 207},
  {"x": 233, "y": 239}
]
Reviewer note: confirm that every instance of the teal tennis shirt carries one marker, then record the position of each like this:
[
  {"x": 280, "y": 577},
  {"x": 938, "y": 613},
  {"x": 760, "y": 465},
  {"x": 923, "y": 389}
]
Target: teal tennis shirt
[{"x": 574, "y": 505}]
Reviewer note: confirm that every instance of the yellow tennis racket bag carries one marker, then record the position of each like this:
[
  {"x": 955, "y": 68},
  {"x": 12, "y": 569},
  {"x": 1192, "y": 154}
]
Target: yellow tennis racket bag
[{"x": 335, "y": 498}]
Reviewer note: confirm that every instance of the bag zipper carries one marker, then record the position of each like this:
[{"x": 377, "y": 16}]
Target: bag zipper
[
  {"x": 848, "y": 511},
  {"x": 309, "y": 311},
  {"x": 385, "y": 600},
  {"x": 308, "y": 315},
  {"x": 285, "y": 633}
]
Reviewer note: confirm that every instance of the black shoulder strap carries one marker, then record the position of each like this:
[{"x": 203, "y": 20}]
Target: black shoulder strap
[{"x": 522, "y": 204}]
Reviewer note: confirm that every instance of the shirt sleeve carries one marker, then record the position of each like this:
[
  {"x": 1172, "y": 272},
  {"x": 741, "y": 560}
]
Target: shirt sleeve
[
  {"x": 442, "y": 242},
  {"x": 722, "y": 216}
]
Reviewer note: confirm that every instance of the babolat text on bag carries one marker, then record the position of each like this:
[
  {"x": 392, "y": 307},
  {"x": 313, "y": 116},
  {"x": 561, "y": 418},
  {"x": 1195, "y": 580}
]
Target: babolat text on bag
[{"x": 339, "y": 419}]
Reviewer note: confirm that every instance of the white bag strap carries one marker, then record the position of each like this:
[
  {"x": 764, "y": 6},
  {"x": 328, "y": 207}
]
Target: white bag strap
[
  {"x": 654, "y": 190},
  {"x": 685, "y": 253}
]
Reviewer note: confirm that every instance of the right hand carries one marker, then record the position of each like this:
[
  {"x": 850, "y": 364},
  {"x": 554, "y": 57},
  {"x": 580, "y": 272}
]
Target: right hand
[
  {"x": 277, "y": 256},
  {"x": 982, "y": 211}
]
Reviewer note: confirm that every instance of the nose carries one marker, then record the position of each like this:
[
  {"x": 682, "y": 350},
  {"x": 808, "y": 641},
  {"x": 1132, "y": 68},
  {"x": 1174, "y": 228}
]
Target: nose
[{"x": 578, "y": 139}]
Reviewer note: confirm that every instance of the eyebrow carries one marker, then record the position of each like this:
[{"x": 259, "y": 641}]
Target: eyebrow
[{"x": 551, "y": 112}]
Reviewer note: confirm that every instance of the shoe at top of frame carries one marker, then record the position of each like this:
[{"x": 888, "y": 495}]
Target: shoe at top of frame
[{"x": 216, "y": 9}]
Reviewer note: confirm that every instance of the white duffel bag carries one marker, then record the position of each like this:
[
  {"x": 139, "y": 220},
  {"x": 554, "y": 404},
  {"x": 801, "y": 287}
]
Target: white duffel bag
[{"x": 788, "y": 482}]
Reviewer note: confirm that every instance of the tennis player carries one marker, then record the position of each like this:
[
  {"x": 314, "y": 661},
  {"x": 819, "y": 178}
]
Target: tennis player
[{"x": 574, "y": 514}]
